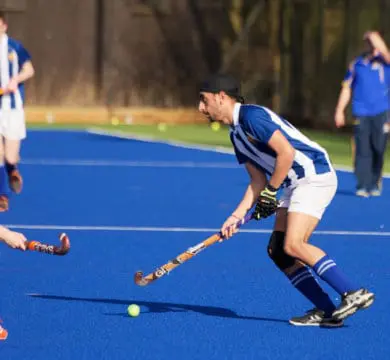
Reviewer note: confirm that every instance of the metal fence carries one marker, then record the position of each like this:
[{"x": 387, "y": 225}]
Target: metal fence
[{"x": 290, "y": 54}]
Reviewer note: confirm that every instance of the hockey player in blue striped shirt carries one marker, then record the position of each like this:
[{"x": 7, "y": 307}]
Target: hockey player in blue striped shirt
[
  {"x": 15, "y": 69},
  {"x": 278, "y": 156}
]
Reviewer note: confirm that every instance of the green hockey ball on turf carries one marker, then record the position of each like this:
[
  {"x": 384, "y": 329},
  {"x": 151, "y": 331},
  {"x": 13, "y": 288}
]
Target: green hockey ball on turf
[{"x": 133, "y": 310}]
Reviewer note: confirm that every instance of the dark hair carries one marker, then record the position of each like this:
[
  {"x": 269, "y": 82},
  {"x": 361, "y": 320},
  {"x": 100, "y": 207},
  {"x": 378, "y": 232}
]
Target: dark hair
[
  {"x": 3, "y": 16},
  {"x": 222, "y": 82}
]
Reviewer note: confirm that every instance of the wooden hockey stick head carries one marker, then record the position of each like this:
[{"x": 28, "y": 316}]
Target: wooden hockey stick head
[
  {"x": 139, "y": 279},
  {"x": 61, "y": 250}
]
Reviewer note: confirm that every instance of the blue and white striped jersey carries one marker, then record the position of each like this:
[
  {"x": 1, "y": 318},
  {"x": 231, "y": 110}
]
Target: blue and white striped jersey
[
  {"x": 251, "y": 131},
  {"x": 12, "y": 58}
]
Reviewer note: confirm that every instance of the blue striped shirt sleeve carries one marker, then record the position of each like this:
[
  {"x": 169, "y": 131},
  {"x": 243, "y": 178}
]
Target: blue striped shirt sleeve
[
  {"x": 23, "y": 54},
  {"x": 261, "y": 125}
]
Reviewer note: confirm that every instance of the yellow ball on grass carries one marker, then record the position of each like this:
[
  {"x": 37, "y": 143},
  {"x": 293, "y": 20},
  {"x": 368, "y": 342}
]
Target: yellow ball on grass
[
  {"x": 114, "y": 121},
  {"x": 215, "y": 126},
  {"x": 162, "y": 127},
  {"x": 133, "y": 310}
]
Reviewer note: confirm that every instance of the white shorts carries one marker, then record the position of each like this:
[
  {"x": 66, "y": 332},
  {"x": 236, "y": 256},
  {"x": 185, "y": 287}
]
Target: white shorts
[
  {"x": 13, "y": 124},
  {"x": 311, "y": 196}
]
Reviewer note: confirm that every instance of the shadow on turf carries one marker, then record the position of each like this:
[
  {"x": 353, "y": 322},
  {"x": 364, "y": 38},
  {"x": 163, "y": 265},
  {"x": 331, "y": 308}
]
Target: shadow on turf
[
  {"x": 161, "y": 307},
  {"x": 346, "y": 192}
]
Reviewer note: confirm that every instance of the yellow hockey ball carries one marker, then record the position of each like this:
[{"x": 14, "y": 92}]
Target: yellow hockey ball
[
  {"x": 215, "y": 126},
  {"x": 162, "y": 127},
  {"x": 114, "y": 121},
  {"x": 133, "y": 310}
]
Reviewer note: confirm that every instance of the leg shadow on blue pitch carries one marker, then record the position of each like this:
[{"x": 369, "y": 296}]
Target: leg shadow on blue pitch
[
  {"x": 162, "y": 307},
  {"x": 346, "y": 192}
]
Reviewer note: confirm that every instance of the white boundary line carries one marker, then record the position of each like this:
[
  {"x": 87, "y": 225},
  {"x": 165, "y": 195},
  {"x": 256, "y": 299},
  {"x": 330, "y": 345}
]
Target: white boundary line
[
  {"x": 179, "y": 229},
  {"x": 125, "y": 163}
]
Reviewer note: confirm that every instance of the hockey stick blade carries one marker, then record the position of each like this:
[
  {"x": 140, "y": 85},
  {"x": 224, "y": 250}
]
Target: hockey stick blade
[
  {"x": 139, "y": 279},
  {"x": 61, "y": 250}
]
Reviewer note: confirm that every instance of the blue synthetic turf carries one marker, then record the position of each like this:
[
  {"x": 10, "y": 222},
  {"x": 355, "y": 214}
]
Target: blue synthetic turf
[{"x": 229, "y": 302}]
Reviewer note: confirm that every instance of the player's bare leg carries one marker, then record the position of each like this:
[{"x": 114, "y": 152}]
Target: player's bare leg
[
  {"x": 12, "y": 157},
  {"x": 301, "y": 278},
  {"x": 299, "y": 229}
]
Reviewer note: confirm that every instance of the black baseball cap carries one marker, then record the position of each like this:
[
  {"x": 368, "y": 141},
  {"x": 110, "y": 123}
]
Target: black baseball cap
[{"x": 222, "y": 82}]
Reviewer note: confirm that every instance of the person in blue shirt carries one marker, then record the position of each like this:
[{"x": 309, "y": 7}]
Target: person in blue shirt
[
  {"x": 277, "y": 156},
  {"x": 15, "y": 69},
  {"x": 367, "y": 82}
]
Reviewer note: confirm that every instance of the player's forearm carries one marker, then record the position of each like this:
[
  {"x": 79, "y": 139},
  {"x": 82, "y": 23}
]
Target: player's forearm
[
  {"x": 384, "y": 51},
  {"x": 26, "y": 73},
  {"x": 386, "y": 55},
  {"x": 345, "y": 96},
  {"x": 284, "y": 162},
  {"x": 3, "y": 232},
  {"x": 381, "y": 46},
  {"x": 249, "y": 198},
  {"x": 257, "y": 183}
]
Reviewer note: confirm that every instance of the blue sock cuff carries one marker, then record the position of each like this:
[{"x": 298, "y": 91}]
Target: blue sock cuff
[
  {"x": 328, "y": 271},
  {"x": 301, "y": 270},
  {"x": 323, "y": 264},
  {"x": 301, "y": 274}
]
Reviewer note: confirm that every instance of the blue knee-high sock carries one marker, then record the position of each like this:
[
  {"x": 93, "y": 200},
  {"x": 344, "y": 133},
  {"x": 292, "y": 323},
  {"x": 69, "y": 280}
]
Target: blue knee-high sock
[
  {"x": 3, "y": 180},
  {"x": 304, "y": 281},
  {"x": 328, "y": 271}
]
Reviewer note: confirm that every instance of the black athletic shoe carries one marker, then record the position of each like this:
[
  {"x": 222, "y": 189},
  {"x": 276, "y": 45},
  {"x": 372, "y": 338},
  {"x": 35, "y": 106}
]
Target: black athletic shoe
[
  {"x": 352, "y": 302},
  {"x": 315, "y": 317}
]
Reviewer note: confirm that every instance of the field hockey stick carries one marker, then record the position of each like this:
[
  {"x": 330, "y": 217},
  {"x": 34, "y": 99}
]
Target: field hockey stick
[
  {"x": 141, "y": 280},
  {"x": 63, "y": 249}
]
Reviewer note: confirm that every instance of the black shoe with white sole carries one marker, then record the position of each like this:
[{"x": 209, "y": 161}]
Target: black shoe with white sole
[
  {"x": 316, "y": 317},
  {"x": 352, "y": 302}
]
